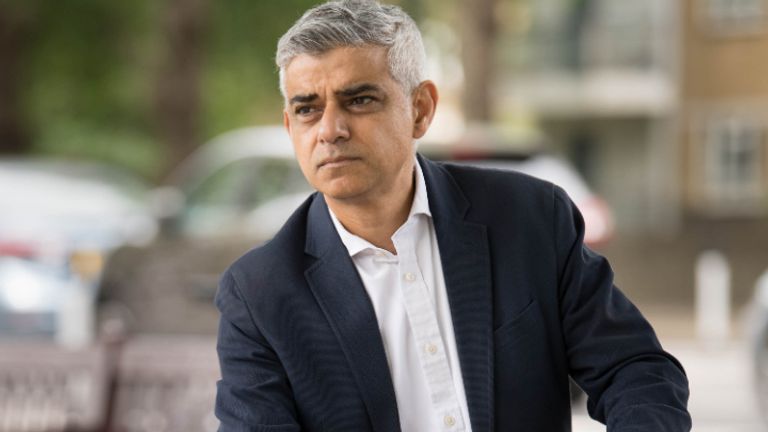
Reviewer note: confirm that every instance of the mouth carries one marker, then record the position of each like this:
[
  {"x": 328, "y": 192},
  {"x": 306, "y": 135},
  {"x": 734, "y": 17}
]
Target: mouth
[{"x": 333, "y": 162}]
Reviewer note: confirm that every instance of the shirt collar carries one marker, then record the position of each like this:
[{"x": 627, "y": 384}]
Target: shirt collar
[
  {"x": 420, "y": 200},
  {"x": 420, "y": 205}
]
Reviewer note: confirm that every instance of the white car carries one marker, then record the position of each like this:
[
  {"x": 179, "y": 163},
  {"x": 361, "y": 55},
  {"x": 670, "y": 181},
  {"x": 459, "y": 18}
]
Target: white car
[
  {"x": 234, "y": 193},
  {"x": 231, "y": 194},
  {"x": 485, "y": 146},
  {"x": 59, "y": 221}
]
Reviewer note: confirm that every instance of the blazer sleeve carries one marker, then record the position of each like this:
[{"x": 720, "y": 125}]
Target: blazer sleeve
[
  {"x": 613, "y": 353},
  {"x": 254, "y": 394}
]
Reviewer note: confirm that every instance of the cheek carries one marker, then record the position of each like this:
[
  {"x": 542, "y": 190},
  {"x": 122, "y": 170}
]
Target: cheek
[
  {"x": 396, "y": 138},
  {"x": 402, "y": 127},
  {"x": 303, "y": 152}
]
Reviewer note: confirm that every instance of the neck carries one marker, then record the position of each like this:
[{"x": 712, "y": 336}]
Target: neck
[{"x": 377, "y": 219}]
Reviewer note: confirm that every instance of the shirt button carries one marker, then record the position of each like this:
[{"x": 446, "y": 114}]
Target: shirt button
[
  {"x": 430, "y": 348},
  {"x": 410, "y": 277},
  {"x": 449, "y": 420}
]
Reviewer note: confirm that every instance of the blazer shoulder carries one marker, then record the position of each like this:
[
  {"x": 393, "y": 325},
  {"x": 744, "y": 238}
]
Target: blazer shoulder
[
  {"x": 495, "y": 190},
  {"x": 483, "y": 177},
  {"x": 280, "y": 258}
]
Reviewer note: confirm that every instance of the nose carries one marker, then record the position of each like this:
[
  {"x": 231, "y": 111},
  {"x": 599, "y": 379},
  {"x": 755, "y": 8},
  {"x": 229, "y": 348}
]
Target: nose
[{"x": 333, "y": 126}]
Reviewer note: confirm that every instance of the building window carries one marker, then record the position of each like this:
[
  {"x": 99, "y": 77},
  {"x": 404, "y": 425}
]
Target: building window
[
  {"x": 734, "y": 167},
  {"x": 735, "y": 16}
]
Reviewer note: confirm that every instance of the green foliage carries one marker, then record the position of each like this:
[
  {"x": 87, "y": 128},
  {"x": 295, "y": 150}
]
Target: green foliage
[
  {"x": 129, "y": 147},
  {"x": 240, "y": 78},
  {"x": 90, "y": 67},
  {"x": 86, "y": 80}
]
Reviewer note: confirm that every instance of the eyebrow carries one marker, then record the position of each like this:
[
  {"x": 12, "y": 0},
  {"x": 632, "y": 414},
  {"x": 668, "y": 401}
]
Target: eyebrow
[
  {"x": 303, "y": 98},
  {"x": 347, "y": 92}
]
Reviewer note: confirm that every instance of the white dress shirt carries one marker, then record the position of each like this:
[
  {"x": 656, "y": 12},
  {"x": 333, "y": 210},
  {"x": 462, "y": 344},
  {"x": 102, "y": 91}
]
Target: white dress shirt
[{"x": 411, "y": 304}]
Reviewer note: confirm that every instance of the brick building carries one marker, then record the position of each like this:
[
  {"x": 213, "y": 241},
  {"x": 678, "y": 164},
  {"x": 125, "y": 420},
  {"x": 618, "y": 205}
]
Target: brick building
[{"x": 663, "y": 105}]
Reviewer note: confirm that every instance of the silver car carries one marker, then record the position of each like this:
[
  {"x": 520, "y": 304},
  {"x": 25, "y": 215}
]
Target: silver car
[
  {"x": 231, "y": 194},
  {"x": 59, "y": 221}
]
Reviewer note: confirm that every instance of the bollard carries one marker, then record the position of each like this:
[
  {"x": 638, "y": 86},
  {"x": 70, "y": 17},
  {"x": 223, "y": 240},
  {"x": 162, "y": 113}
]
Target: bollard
[
  {"x": 761, "y": 291},
  {"x": 75, "y": 318},
  {"x": 713, "y": 298},
  {"x": 758, "y": 327}
]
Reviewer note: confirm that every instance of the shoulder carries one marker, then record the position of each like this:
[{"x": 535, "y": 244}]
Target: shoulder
[
  {"x": 280, "y": 259},
  {"x": 497, "y": 191},
  {"x": 480, "y": 176}
]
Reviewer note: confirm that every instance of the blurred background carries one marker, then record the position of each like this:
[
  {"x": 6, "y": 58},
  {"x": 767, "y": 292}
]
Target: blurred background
[{"x": 139, "y": 155}]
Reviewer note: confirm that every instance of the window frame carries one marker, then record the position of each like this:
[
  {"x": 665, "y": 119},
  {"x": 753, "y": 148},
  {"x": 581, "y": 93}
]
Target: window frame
[
  {"x": 730, "y": 171},
  {"x": 731, "y": 18}
]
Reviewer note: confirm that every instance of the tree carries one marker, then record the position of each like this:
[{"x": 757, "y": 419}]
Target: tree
[
  {"x": 478, "y": 35},
  {"x": 14, "y": 25},
  {"x": 177, "y": 95}
]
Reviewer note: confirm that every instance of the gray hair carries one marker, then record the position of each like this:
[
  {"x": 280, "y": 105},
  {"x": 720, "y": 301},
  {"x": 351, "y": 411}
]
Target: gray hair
[{"x": 345, "y": 23}]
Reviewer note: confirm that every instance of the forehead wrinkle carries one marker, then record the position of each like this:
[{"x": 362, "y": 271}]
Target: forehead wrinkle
[{"x": 356, "y": 89}]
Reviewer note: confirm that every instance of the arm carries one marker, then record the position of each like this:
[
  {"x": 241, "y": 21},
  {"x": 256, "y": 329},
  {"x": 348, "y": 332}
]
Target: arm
[
  {"x": 254, "y": 394},
  {"x": 614, "y": 355}
]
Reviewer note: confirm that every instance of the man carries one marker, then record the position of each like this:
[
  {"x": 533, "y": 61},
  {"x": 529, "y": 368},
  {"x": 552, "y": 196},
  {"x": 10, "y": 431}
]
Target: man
[{"x": 412, "y": 296}]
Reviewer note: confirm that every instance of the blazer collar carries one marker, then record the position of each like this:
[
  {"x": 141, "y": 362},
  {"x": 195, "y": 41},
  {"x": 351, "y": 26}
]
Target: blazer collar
[{"x": 339, "y": 291}]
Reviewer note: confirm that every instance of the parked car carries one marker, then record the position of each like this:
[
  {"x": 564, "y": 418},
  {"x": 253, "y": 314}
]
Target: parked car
[
  {"x": 233, "y": 194},
  {"x": 59, "y": 221},
  {"x": 487, "y": 147},
  {"x": 230, "y": 195}
]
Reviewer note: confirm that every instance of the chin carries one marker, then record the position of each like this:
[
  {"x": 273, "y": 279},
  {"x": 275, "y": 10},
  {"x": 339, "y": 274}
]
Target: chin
[
  {"x": 343, "y": 192},
  {"x": 342, "y": 195}
]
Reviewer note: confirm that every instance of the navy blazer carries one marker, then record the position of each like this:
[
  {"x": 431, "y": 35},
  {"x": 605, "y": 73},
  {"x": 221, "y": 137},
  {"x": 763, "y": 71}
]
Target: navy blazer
[{"x": 300, "y": 348}]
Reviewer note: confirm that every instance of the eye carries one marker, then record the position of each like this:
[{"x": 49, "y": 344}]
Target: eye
[
  {"x": 303, "y": 110},
  {"x": 361, "y": 100},
  {"x": 306, "y": 111}
]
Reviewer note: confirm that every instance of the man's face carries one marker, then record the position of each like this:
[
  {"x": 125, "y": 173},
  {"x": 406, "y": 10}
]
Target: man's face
[{"x": 351, "y": 123}]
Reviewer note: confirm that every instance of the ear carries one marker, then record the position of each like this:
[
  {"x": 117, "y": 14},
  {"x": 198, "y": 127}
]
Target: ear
[{"x": 424, "y": 99}]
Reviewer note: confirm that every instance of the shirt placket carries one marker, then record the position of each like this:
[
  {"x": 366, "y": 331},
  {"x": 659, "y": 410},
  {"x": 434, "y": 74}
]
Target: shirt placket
[{"x": 423, "y": 321}]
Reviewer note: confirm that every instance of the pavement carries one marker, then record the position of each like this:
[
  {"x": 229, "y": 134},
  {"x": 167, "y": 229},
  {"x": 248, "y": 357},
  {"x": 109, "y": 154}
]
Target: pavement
[
  {"x": 723, "y": 396},
  {"x": 722, "y": 393}
]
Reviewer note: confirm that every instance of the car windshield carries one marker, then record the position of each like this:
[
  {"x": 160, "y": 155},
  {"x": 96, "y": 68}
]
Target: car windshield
[{"x": 227, "y": 195}]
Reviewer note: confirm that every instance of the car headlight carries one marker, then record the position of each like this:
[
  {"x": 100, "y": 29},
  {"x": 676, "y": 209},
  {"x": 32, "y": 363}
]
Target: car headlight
[{"x": 27, "y": 286}]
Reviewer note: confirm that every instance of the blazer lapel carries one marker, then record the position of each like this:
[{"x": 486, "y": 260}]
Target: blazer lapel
[
  {"x": 465, "y": 258},
  {"x": 339, "y": 291}
]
